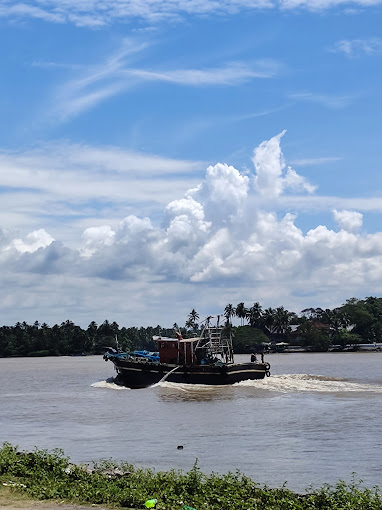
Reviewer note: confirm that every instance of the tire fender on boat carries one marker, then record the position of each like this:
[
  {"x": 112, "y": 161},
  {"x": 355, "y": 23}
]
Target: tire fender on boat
[
  {"x": 267, "y": 366},
  {"x": 267, "y": 373}
]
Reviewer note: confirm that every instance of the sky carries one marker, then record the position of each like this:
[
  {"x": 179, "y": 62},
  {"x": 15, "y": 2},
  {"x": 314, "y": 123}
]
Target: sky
[{"x": 162, "y": 155}]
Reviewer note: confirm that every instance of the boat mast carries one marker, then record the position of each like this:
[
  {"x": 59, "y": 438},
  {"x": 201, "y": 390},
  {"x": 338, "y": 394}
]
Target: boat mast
[{"x": 216, "y": 340}]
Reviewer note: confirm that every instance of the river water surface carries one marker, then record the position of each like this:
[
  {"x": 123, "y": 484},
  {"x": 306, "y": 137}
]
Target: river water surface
[{"x": 316, "y": 420}]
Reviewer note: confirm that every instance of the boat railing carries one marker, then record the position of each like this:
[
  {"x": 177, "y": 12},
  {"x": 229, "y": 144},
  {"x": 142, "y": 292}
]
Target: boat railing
[{"x": 217, "y": 340}]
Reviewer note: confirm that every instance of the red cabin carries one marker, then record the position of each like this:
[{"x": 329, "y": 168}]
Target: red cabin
[{"x": 176, "y": 351}]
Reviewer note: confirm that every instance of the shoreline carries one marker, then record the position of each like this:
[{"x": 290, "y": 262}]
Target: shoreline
[
  {"x": 48, "y": 481},
  {"x": 285, "y": 351}
]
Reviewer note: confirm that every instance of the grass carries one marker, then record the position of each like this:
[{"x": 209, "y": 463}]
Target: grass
[
  {"x": 11, "y": 498},
  {"x": 47, "y": 475}
]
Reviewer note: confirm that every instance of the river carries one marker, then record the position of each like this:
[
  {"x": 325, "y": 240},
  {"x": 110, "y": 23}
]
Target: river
[{"x": 316, "y": 420}]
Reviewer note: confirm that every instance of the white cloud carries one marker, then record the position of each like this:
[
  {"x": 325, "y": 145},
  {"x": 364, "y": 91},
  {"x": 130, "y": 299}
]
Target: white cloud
[
  {"x": 319, "y": 5},
  {"x": 332, "y": 101},
  {"x": 270, "y": 179},
  {"x": 30, "y": 10},
  {"x": 359, "y": 47},
  {"x": 33, "y": 241},
  {"x": 315, "y": 161},
  {"x": 117, "y": 74},
  {"x": 96, "y": 13},
  {"x": 231, "y": 74},
  {"x": 296, "y": 182},
  {"x": 348, "y": 220},
  {"x": 217, "y": 236},
  {"x": 68, "y": 188},
  {"x": 132, "y": 228},
  {"x": 82, "y": 173},
  {"x": 222, "y": 193},
  {"x": 96, "y": 237},
  {"x": 186, "y": 226},
  {"x": 269, "y": 164}
]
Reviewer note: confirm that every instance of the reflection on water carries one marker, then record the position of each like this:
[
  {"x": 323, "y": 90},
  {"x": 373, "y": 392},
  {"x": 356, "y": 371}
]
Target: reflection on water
[{"x": 194, "y": 392}]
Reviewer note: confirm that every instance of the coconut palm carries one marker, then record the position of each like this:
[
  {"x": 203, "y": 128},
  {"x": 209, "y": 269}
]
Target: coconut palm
[
  {"x": 241, "y": 311},
  {"x": 281, "y": 320},
  {"x": 229, "y": 311},
  {"x": 254, "y": 314},
  {"x": 268, "y": 319},
  {"x": 193, "y": 319}
]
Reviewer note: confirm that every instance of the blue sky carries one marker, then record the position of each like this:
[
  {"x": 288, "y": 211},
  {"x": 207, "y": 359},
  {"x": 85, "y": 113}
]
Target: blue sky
[{"x": 160, "y": 156}]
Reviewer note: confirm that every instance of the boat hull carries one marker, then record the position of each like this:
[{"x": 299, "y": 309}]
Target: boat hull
[{"x": 135, "y": 374}]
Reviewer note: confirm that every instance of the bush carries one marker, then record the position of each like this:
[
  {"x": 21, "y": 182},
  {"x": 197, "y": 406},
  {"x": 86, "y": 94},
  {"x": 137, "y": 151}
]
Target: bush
[{"x": 47, "y": 475}]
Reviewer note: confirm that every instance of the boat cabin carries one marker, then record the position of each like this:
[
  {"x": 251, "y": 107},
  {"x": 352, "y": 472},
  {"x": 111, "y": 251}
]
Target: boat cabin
[{"x": 178, "y": 351}]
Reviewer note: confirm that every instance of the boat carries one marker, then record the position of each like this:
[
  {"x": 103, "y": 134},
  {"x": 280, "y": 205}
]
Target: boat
[{"x": 205, "y": 359}]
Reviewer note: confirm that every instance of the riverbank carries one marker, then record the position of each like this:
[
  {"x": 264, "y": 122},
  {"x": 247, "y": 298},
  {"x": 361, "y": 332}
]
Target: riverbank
[
  {"x": 47, "y": 480},
  {"x": 13, "y": 500}
]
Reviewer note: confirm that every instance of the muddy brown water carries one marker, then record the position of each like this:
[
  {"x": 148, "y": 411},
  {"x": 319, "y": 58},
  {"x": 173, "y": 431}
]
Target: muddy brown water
[{"x": 315, "y": 420}]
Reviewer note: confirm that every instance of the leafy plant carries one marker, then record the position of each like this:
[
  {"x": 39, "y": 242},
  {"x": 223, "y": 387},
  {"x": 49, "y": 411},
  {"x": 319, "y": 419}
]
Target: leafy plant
[{"x": 49, "y": 475}]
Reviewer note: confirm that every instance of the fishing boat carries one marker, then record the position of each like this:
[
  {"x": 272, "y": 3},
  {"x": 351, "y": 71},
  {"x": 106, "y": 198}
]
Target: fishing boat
[{"x": 205, "y": 359}]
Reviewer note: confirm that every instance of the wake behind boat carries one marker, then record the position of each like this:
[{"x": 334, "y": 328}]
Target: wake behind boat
[{"x": 206, "y": 359}]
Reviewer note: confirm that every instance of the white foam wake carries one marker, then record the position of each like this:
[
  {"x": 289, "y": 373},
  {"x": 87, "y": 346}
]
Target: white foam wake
[
  {"x": 312, "y": 383},
  {"x": 109, "y": 384},
  {"x": 186, "y": 386}
]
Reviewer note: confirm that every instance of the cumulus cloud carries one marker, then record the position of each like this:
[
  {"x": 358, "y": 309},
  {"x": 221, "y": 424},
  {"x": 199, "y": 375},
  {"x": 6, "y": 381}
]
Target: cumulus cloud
[
  {"x": 32, "y": 242},
  {"x": 269, "y": 164},
  {"x": 218, "y": 235},
  {"x": 348, "y": 220},
  {"x": 270, "y": 179},
  {"x": 96, "y": 237},
  {"x": 223, "y": 192},
  {"x": 186, "y": 227}
]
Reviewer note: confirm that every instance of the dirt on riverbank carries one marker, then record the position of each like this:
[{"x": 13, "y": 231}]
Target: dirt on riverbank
[
  {"x": 43, "y": 505},
  {"x": 10, "y": 500}
]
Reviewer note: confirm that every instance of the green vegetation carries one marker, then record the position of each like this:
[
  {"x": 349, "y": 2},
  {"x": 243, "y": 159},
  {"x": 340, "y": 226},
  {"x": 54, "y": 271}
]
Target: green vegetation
[
  {"x": 315, "y": 329},
  {"x": 67, "y": 338},
  {"x": 45, "y": 475}
]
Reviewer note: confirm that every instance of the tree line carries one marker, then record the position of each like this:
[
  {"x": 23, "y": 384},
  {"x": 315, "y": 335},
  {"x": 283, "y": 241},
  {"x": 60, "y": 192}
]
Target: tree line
[
  {"x": 69, "y": 339},
  {"x": 357, "y": 321}
]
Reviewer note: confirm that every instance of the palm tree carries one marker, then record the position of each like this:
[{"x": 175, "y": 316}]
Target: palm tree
[
  {"x": 241, "y": 311},
  {"x": 281, "y": 320},
  {"x": 253, "y": 315},
  {"x": 268, "y": 319},
  {"x": 229, "y": 311},
  {"x": 337, "y": 320},
  {"x": 92, "y": 333},
  {"x": 192, "y": 321}
]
